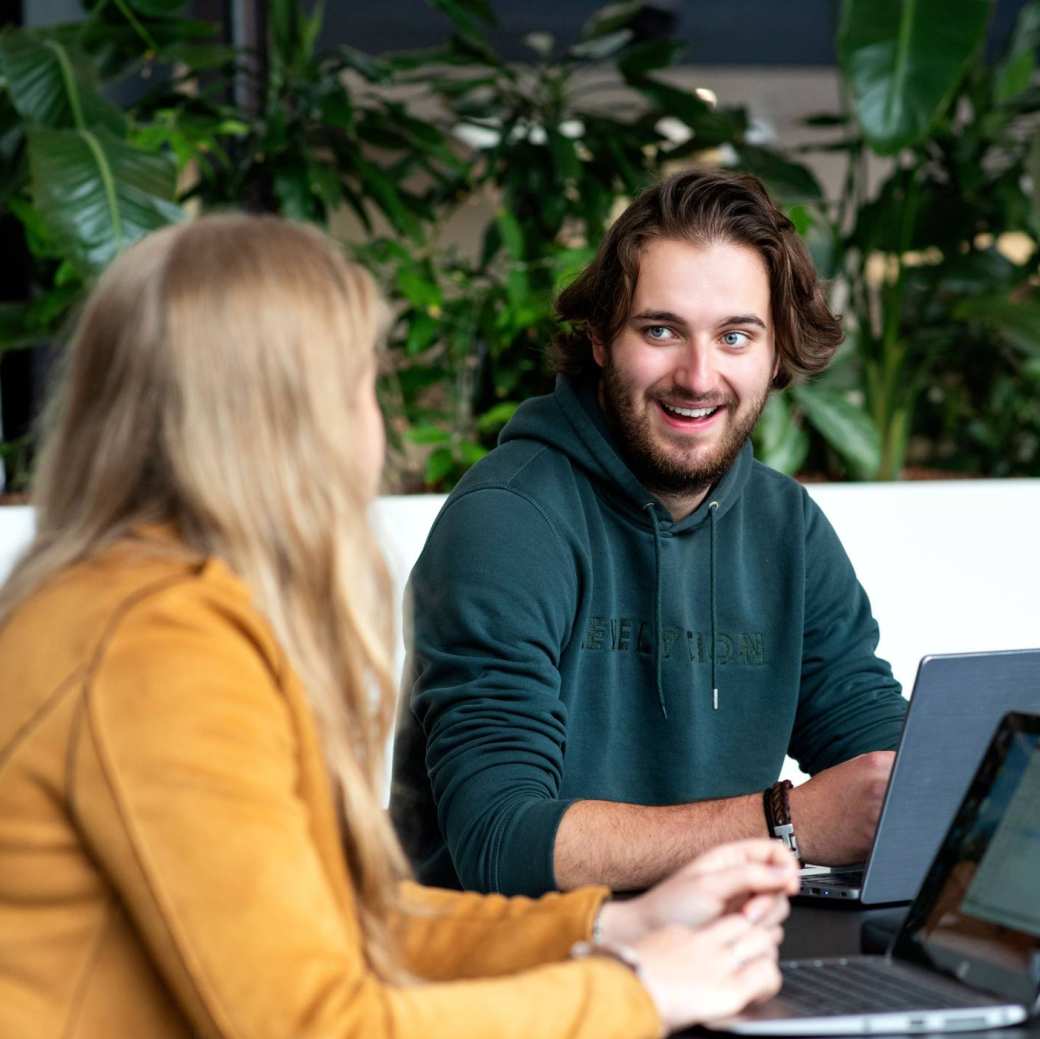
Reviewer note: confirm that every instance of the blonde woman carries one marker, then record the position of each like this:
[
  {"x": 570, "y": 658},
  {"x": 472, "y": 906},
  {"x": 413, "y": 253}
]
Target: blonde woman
[{"x": 195, "y": 694}]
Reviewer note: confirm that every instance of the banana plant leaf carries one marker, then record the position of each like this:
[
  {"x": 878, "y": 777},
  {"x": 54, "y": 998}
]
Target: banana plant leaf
[
  {"x": 844, "y": 425},
  {"x": 903, "y": 60},
  {"x": 50, "y": 84},
  {"x": 780, "y": 442},
  {"x": 96, "y": 193}
]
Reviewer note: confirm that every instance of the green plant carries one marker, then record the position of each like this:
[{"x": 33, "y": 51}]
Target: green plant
[
  {"x": 320, "y": 132},
  {"x": 552, "y": 146},
  {"x": 81, "y": 175},
  {"x": 76, "y": 173},
  {"x": 85, "y": 177},
  {"x": 941, "y": 364},
  {"x": 938, "y": 264}
]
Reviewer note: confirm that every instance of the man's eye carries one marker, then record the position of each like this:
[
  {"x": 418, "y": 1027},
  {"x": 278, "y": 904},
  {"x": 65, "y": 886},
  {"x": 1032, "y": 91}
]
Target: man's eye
[
  {"x": 659, "y": 332},
  {"x": 735, "y": 338}
]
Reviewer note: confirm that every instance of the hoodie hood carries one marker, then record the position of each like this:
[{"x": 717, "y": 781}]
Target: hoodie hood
[{"x": 571, "y": 421}]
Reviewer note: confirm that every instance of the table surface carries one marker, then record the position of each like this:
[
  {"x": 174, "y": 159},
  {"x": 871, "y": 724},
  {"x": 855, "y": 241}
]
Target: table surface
[{"x": 813, "y": 931}]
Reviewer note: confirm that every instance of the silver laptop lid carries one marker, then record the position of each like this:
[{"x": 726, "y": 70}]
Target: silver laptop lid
[{"x": 957, "y": 701}]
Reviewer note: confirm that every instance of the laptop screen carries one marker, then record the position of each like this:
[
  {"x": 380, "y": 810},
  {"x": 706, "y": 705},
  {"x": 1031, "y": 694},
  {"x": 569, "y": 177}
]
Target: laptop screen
[{"x": 977, "y": 916}]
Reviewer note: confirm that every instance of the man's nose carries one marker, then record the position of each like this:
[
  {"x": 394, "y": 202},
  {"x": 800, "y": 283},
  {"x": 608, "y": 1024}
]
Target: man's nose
[{"x": 696, "y": 371}]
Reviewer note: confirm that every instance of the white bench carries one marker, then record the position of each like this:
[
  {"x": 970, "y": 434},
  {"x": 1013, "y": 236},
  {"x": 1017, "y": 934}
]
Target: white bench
[{"x": 949, "y": 566}]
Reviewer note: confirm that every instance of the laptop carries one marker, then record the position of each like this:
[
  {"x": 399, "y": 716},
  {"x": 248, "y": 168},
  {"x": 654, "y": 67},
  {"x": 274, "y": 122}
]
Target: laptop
[
  {"x": 968, "y": 953},
  {"x": 957, "y": 700}
]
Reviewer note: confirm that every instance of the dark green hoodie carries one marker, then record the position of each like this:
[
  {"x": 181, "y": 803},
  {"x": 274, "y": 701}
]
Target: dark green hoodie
[{"x": 570, "y": 640}]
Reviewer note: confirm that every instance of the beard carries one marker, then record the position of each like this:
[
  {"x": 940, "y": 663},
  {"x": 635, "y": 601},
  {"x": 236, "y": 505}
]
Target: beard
[{"x": 674, "y": 472}]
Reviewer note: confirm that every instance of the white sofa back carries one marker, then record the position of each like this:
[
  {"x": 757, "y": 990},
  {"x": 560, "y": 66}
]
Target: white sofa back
[{"x": 949, "y": 566}]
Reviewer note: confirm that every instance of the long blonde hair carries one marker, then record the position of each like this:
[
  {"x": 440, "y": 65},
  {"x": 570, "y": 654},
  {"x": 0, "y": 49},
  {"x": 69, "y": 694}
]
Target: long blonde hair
[{"x": 211, "y": 385}]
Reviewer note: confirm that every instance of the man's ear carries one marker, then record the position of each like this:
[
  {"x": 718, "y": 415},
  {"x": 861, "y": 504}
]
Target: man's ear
[{"x": 599, "y": 352}]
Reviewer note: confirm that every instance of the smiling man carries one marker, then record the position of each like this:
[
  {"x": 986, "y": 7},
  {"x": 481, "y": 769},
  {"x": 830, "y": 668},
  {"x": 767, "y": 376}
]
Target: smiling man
[{"x": 621, "y": 621}]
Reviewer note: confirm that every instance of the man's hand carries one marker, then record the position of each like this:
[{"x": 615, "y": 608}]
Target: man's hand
[
  {"x": 752, "y": 878},
  {"x": 835, "y": 813}
]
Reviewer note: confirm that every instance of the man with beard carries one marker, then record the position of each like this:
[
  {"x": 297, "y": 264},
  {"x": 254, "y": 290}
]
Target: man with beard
[{"x": 621, "y": 621}]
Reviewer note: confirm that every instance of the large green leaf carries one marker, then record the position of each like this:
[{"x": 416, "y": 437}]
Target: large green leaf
[
  {"x": 599, "y": 48},
  {"x": 611, "y": 18},
  {"x": 52, "y": 85},
  {"x": 1019, "y": 323},
  {"x": 787, "y": 181},
  {"x": 780, "y": 442},
  {"x": 496, "y": 417},
  {"x": 293, "y": 33},
  {"x": 158, "y": 8},
  {"x": 1015, "y": 73},
  {"x": 844, "y": 425},
  {"x": 903, "y": 60},
  {"x": 96, "y": 193},
  {"x": 820, "y": 236},
  {"x": 386, "y": 193},
  {"x": 648, "y": 56},
  {"x": 469, "y": 13},
  {"x": 512, "y": 234}
]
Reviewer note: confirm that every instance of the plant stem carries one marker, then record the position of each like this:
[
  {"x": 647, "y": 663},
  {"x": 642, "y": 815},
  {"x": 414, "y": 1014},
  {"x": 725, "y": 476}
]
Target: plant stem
[{"x": 893, "y": 406}]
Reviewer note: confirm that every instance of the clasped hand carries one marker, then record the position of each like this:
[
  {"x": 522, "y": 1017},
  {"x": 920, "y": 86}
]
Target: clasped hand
[{"x": 707, "y": 937}]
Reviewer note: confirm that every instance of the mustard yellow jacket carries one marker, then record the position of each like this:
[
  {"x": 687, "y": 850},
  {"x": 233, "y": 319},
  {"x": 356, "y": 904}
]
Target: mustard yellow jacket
[{"x": 169, "y": 860}]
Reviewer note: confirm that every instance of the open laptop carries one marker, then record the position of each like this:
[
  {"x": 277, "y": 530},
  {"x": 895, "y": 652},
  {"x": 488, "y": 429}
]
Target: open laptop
[
  {"x": 957, "y": 700},
  {"x": 968, "y": 954}
]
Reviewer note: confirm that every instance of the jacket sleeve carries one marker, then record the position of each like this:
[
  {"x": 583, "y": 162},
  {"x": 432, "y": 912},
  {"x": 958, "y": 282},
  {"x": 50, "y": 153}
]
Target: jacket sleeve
[
  {"x": 503, "y": 934},
  {"x": 184, "y": 782},
  {"x": 849, "y": 702},
  {"x": 494, "y": 599}
]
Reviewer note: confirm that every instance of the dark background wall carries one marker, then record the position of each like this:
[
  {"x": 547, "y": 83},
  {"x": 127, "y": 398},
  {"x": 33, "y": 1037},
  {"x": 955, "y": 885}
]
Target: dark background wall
[{"x": 718, "y": 32}]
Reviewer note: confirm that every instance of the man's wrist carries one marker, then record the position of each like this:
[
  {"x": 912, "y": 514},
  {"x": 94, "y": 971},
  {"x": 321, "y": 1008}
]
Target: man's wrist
[
  {"x": 802, "y": 818},
  {"x": 776, "y": 807}
]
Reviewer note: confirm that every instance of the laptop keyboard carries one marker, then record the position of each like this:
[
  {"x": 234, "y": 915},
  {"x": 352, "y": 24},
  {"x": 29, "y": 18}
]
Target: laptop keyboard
[{"x": 865, "y": 985}]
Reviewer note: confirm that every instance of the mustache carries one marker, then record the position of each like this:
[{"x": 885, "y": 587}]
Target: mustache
[{"x": 686, "y": 400}]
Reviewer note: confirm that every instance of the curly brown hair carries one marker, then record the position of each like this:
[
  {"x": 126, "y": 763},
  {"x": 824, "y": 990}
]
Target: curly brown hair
[{"x": 702, "y": 206}]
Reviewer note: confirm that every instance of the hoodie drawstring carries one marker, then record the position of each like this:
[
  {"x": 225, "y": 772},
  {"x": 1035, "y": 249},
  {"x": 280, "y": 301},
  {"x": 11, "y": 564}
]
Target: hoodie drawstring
[
  {"x": 659, "y": 654},
  {"x": 659, "y": 635},
  {"x": 712, "y": 508}
]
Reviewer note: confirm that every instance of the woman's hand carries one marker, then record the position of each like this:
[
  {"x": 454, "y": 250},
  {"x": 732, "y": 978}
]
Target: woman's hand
[
  {"x": 698, "y": 975},
  {"x": 752, "y": 878},
  {"x": 707, "y": 937}
]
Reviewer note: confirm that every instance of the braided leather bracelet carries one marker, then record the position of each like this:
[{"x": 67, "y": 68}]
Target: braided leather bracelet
[{"x": 777, "y": 808}]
